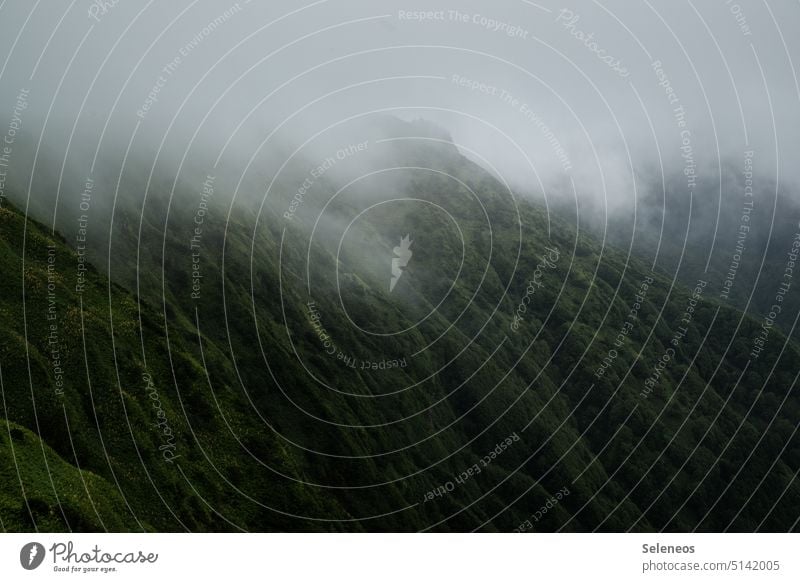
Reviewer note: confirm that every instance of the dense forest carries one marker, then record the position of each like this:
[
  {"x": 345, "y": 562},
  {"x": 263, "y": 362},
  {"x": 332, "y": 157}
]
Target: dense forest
[{"x": 246, "y": 366}]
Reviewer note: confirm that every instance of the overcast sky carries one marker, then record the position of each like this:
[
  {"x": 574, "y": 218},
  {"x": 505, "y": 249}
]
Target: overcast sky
[{"x": 539, "y": 90}]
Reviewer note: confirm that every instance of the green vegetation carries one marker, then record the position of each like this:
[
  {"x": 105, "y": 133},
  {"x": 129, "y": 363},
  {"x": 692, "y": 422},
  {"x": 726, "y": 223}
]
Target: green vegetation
[{"x": 268, "y": 431}]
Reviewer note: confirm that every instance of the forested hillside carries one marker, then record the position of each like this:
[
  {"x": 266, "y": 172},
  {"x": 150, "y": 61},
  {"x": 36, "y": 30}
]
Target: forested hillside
[{"x": 228, "y": 367}]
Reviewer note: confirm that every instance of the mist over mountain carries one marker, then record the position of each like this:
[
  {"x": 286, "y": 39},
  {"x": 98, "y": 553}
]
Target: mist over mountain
[{"x": 361, "y": 267}]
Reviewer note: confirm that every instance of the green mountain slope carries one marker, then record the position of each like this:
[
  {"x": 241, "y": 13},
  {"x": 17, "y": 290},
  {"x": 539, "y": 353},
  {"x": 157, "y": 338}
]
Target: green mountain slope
[
  {"x": 725, "y": 232},
  {"x": 514, "y": 366},
  {"x": 106, "y": 408}
]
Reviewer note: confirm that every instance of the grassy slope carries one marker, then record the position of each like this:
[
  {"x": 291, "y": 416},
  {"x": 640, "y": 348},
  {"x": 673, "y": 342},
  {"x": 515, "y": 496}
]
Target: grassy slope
[
  {"x": 112, "y": 432},
  {"x": 620, "y": 454}
]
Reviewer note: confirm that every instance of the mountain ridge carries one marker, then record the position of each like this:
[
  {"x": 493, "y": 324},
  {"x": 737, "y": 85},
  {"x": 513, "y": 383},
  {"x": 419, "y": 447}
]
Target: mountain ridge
[{"x": 262, "y": 416}]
